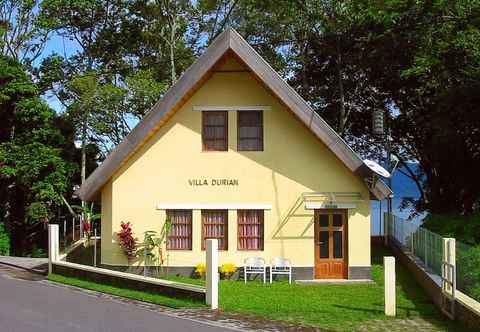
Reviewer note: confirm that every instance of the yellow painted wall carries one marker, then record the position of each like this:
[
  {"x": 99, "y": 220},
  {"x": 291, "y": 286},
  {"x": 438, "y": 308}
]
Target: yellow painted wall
[{"x": 293, "y": 161}]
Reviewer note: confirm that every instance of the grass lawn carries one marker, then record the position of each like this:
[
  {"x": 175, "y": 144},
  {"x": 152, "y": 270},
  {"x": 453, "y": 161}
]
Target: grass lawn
[
  {"x": 128, "y": 293},
  {"x": 338, "y": 307}
]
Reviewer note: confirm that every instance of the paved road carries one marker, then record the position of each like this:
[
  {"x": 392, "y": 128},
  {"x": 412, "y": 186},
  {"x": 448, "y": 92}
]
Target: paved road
[{"x": 27, "y": 305}]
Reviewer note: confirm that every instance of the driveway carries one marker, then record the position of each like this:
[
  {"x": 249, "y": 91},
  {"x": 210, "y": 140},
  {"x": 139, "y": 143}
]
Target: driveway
[{"x": 28, "y": 303}]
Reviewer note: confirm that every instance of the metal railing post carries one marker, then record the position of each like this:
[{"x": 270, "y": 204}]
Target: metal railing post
[
  {"x": 95, "y": 248},
  {"x": 73, "y": 229},
  {"x": 386, "y": 218},
  {"x": 412, "y": 242},
  {"x": 426, "y": 248}
]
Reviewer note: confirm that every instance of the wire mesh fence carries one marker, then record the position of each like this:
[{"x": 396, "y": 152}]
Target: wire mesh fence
[
  {"x": 421, "y": 242},
  {"x": 428, "y": 247},
  {"x": 468, "y": 269}
]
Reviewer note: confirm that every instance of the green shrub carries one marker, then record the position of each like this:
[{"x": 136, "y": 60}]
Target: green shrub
[
  {"x": 4, "y": 241},
  {"x": 463, "y": 228},
  {"x": 468, "y": 270},
  {"x": 38, "y": 252}
]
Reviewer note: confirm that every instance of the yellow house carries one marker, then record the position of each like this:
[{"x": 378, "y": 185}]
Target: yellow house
[{"x": 233, "y": 152}]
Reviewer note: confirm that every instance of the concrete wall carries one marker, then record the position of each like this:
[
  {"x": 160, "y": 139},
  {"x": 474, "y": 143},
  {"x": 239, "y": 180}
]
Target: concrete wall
[
  {"x": 294, "y": 161},
  {"x": 463, "y": 313},
  {"x": 130, "y": 281}
]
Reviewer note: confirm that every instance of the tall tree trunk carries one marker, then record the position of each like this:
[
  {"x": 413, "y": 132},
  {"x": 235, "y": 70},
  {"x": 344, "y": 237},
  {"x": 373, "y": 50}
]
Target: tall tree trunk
[
  {"x": 83, "y": 153},
  {"x": 83, "y": 168},
  {"x": 173, "y": 32}
]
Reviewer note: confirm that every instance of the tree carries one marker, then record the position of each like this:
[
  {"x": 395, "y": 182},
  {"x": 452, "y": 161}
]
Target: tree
[
  {"x": 33, "y": 169},
  {"x": 23, "y": 31},
  {"x": 426, "y": 60},
  {"x": 418, "y": 62}
]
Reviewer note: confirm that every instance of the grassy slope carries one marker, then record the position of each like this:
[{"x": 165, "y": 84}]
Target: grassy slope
[{"x": 128, "y": 293}]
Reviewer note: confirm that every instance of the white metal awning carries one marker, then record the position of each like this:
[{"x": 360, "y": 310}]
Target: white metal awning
[{"x": 332, "y": 200}]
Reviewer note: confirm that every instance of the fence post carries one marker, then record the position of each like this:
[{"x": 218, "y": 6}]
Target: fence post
[
  {"x": 95, "y": 247},
  {"x": 386, "y": 218},
  {"x": 64, "y": 228},
  {"x": 389, "y": 275},
  {"x": 73, "y": 229},
  {"x": 212, "y": 273},
  {"x": 53, "y": 252},
  {"x": 426, "y": 247},
  {"x": 449, "y": 257},
  {"x": 81, "y": 226},
  {"x": 412, "y": 239}
]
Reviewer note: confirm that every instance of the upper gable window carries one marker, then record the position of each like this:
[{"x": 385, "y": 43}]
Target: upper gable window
[
  {"x": 250, "y": 131},
  {"x": 215, "y": 131}
]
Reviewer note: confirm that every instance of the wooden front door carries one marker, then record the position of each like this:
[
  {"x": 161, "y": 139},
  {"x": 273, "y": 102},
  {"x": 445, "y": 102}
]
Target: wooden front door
[{"x": 331, "y": 244}]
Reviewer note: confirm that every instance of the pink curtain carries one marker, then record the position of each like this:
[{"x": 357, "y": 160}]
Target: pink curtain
[
  {"x": 250, "y": 229},
  {"x": 180, "y": 235},
  {"x": 215, "y": 226}
]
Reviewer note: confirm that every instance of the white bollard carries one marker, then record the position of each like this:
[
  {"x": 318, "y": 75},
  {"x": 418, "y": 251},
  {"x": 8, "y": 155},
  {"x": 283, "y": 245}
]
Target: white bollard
[
  {"x": 212, "y": 272},
  {"x": 53, "y": 252},
  {"x": 390, "y": 295}
]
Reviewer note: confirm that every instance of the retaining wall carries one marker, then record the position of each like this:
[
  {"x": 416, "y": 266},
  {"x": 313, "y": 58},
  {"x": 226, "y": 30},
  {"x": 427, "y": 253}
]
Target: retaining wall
[
  {"x": 467, "y": 310},
  {"x": 131, "y": 281}
]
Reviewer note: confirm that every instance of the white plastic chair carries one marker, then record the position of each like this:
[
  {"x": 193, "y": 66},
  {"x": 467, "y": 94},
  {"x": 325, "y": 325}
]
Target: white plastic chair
[
  {"x": 280, "y": 266},
  {"x": 255, "y": 265}
]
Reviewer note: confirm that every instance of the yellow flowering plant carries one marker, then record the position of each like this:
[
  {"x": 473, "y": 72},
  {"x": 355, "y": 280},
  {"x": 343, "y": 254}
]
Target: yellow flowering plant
[
  {"x": 200, "y": 269},
  {"x": 228, "y": 269}
]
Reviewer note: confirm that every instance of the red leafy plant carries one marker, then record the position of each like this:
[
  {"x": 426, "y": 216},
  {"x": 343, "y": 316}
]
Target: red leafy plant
[{"x": 127, "y": 241}]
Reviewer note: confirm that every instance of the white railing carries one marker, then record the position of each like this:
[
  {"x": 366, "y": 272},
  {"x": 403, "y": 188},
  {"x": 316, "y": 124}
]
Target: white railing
[{"x": 436, "y": 253}]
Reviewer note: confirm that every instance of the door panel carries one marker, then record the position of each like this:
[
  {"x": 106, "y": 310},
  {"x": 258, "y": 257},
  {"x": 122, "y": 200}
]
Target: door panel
[
  {"x": 337, "y": 244},
  {"x": 331, "y": 244},
  {"x": 323, "y": 238}
]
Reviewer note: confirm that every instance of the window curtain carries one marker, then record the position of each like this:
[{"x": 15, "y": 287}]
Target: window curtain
[
  {"x": 250, "y": 230},
  {"x": 180, "y": 235}
]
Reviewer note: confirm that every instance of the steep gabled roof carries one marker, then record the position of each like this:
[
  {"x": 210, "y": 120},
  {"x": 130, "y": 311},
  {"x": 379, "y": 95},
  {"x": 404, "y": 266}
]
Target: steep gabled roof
[{"x": 228, "y": 41}]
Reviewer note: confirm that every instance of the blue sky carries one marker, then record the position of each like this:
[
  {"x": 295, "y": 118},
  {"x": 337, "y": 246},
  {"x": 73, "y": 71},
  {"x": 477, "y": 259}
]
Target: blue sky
[{"x": 64, "y": 47}]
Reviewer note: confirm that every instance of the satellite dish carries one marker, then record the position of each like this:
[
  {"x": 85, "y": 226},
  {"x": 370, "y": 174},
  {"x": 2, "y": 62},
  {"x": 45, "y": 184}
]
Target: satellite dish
[{"x": 375, "y": 167}]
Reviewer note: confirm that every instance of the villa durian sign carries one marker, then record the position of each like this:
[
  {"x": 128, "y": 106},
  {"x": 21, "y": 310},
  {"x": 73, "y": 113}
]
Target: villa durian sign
[{"x": 213, "y": 182}]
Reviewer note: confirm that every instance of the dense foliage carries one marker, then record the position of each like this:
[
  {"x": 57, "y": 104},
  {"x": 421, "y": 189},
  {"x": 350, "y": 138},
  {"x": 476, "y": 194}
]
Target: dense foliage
[
  {"x": 4, "y": 241},
  {"x": 418, "y": 62},
  {"x": 34, "y": 166},
  {"x": 464, "y": 228}
]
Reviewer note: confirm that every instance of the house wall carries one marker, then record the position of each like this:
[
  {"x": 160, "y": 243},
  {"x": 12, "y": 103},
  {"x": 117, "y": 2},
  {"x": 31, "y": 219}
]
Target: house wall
[{"x": 294, "y": 161}]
